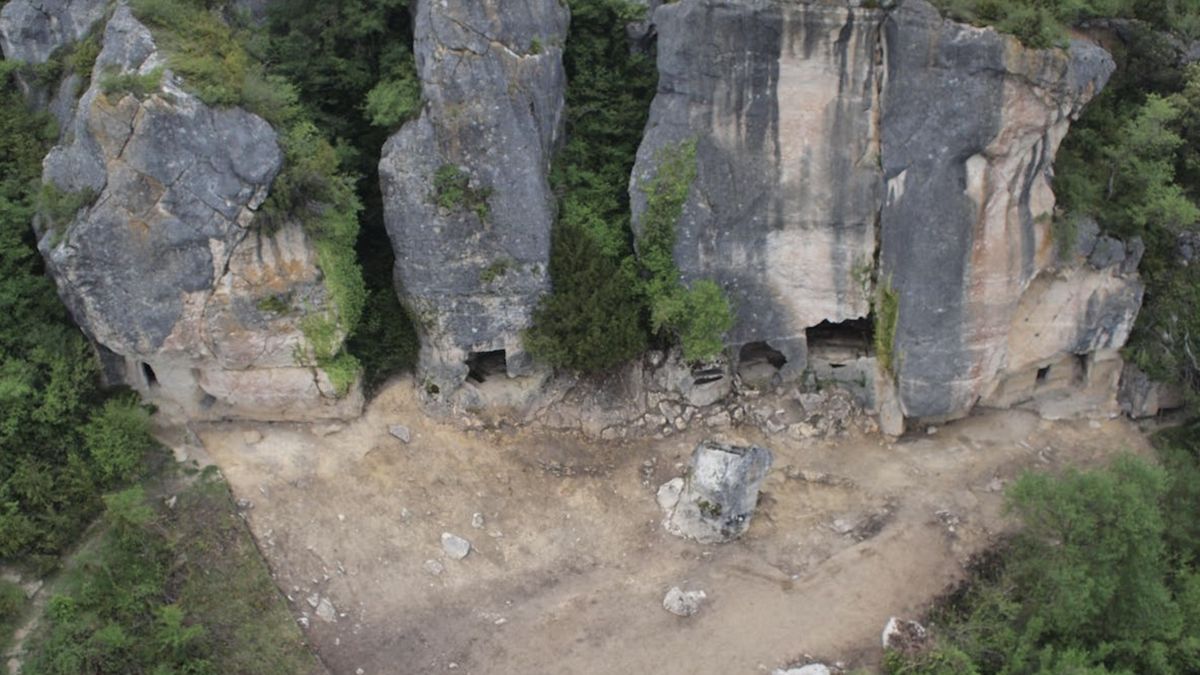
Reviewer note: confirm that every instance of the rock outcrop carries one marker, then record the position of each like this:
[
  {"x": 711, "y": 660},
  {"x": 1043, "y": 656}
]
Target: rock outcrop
[
  {"x": 187, "y": 300},
  {"x": 468, "y": 204},
  {"x": 31, "y": 30},
  {"x": 844, "y": 151}
]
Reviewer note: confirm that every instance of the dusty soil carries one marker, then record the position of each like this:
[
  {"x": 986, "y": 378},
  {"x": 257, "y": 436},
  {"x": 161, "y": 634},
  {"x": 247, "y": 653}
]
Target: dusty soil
[{"x": 568, "y": 573}]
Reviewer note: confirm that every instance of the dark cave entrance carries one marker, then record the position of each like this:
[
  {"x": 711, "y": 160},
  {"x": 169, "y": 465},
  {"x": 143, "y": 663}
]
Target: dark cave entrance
[
  {"x": 484, "y": 365},
  {"x": 150, "y": 376},
  {"x": 838, "y": 344},
  {"x": 759, "y": 361}
]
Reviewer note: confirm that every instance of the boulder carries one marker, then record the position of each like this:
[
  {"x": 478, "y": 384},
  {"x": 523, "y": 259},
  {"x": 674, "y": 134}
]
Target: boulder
[
  {"x": 715, "y": 500},
  {"x": 455, "y": 546},
  {"x": 189, "y": 301}
]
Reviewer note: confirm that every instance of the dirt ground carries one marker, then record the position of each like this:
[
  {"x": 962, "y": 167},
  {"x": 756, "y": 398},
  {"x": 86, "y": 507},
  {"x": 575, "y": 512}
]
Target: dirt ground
[{"x": 568, "y": 572}]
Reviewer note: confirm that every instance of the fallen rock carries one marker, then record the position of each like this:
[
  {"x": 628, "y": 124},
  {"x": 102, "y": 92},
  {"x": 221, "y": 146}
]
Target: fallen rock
[
  {"x": 810, "y": 669},
  {"x": 477, "y": 521},
  {"x": 903, "y": 635},
  {"x": 683, "y": 603},
  {"x": 401, "y": 432},
  {"x": 455, "y": 546},
  {"x": 714, "y": 502},
  {"x": 434, "y": 567},
  {"x": 326, "y": 611}
]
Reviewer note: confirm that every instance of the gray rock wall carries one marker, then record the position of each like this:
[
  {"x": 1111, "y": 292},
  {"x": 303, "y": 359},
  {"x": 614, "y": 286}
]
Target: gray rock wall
[
  {"x": 31, "y": 30},
  {"x": 165, "y": 270},
  {"x": 471, "y": 272},
  {"x": 839, "y": 147},
  {"x": 782, "y": 99}
]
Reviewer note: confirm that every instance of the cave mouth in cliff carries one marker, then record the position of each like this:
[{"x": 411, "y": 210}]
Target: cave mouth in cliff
[
  {"x": 482, "y": 365},
  {"x": 150, "y": 376},
  {"x": 840, "y": 343},
  {"x": 759, "y": 360}
]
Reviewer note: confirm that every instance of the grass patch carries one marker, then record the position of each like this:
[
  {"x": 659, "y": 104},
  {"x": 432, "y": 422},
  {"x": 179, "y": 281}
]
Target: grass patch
[
  {"x": 12, "y": 607},
  {"x": 887, "y": 315},
  {"x": 452, "y": 191},
  {"x": 118, "y": 84}
]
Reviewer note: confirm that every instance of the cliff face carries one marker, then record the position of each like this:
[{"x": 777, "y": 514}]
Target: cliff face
[
  {"x": 164, "y": 269},
  {"x": 783, "y": 101},
  {"x": 468, "y": 203},
  {"x": 33, "y": 29},
  {"x": 840, "y": 149}
]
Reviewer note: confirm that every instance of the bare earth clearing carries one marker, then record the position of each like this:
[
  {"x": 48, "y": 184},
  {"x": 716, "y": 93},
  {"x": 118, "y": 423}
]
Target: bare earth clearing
[{"x": 568, "y": 573}]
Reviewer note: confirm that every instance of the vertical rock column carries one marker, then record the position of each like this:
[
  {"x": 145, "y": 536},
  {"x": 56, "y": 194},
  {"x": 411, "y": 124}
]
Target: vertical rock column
[
  {"x": 781, "y": 100},
  {"x": 971, "y": 124},
  {"x": 467, "y": 202}
]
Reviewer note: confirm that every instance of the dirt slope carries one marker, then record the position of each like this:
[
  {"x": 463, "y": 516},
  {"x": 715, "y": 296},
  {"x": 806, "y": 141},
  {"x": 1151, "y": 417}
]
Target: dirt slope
[{"x": 568, "y": 573}]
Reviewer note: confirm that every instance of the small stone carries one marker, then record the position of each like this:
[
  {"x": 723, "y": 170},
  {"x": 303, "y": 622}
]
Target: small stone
[
  {"x": 453, "y": 666},
  {"x": 326, "y": 611},
  {"x": 359, "y": 671},
  {"x": 303, "y": 621},
  {"x": 401, "y": 432},
  {"x": 434, "y": 567},
  {"x": 841, "y": 526},
  {"x": 995, "y": 485},
  {"x": 341, "y": 517},
  {"x": 172, "y": 501},
  {"x": 455, "y": 546},
  {"x": 251, "y": 437},
  {"x": 500, "y": 622},
  {"x": 477, "y": 521},
  {"x": 244, "y": 504},
  {"x": 314, "y": 600},
  {"x": 683, "y": 603},
  {"x": 328, "y": 429},
  {"x": 810, "y": 669},
  {"x": 719, "y": 420},
  {"x": 930, "y": 430}
]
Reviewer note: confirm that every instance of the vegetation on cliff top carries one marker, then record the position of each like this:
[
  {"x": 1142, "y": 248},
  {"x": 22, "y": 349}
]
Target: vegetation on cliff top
[{"x": 1045, "y": 23}]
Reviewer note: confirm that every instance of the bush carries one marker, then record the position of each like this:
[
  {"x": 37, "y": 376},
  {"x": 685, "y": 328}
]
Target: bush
[
  {"x": 117, "y": 439},
  {"x": 1102, "y": 578},
  {"x": 132, "y": 84},
  {"x": 392, "y": 102}
]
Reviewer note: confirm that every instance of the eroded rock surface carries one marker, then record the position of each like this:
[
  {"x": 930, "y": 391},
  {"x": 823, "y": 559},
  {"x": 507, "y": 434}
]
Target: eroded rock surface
[
  {"x": 840, "y": 149},
  {"x": 468, "y": 203},
  {"x": 187, "y": 299},
  {"x": 31, "y": 30}
]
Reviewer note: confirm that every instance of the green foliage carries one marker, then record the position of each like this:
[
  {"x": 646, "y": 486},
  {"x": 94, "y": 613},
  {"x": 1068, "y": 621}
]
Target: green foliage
[
  {"x": 274, "y": 304},
  {"x": 1044, "y": 23},
  {"x": 47, "y": 372},
  {"x": 594, "y": 318},
  {"x": 178, "y": 592},
  {"x": 117, "y": 438},
  {"x": 12, "y": 606},
  {"x": 452, "y": 191},
  {"x": 699, "y": 316},
  {"x": 131, "y": 84},
  {"x": 887, "y": 316},
  {"x": 1132, "y": 162},
  {"x": 396, "y": 99},
  {"x": 57, "y": 208},
  {"x": 1102, "y": 578},
  {"x": 353, "y": 68},
  {"x": 496, "y": 270}
]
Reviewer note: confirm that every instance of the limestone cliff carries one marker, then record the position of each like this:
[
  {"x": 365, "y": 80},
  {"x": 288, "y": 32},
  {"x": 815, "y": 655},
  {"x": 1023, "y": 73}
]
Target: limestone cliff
[
  {"x": 842, "y": 149},
  {"x": 468, "y": 203},
  {"x": 165, "y": 269}
]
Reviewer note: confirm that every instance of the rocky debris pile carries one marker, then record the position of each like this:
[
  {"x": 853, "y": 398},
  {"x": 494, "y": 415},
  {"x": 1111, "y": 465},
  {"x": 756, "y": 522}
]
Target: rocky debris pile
[
  {"x": 683, "y": 603},
  {"x": 715, "y": 500}
]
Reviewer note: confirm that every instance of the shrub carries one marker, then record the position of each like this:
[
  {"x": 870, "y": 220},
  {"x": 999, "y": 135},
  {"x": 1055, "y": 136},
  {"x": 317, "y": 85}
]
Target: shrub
[
  {"x": 391, "y": 102},
  {"x": 887, "y": 316},
  {"x": 139, "y": 86},
  {"x": 117, "y": 438},
  {"x": 452, "y": 191}
]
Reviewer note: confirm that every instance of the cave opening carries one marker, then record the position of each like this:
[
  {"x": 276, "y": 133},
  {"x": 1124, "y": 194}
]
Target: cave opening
[
  {"x": 759, "y": 361},
  {"x": 838, "y": 344},
  {"x": 150, "y": 376},
  {"x": 1043, "y": 374},
  {"x": 483, "y": 365},
  {"x": 707, "y": 375}
]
